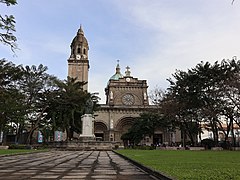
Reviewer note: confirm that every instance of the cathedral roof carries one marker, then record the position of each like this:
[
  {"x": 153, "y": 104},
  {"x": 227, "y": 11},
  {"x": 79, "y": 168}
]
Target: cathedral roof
[{"x": 118, "y": 74}]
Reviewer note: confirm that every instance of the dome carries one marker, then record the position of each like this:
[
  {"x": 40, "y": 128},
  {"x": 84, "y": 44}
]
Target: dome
[
  {"x": 118, "y": 74},
  {"x": 79, "y": 39}
]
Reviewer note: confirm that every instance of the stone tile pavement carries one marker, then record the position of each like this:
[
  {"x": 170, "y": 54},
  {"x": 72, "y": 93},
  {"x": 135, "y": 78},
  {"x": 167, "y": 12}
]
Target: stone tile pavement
[{"x": 89, "y": 165}]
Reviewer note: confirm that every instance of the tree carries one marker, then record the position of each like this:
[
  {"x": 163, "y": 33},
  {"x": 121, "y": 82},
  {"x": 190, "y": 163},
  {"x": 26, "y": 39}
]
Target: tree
[
  {"x": 134, "y": 134},
  {"x": 67, "y": 105},
  {"x": 183, "y": 96},
  {"x": 145, "y": 125},
  {"x": 222, "y": 96},
  {"x": 35, "y": 84},
  {"x": 230, "y": 92},
  {"x": 205, "y": 93},
  {"x": 7, "y": 27},
  {"x": 11, "y": 99}
]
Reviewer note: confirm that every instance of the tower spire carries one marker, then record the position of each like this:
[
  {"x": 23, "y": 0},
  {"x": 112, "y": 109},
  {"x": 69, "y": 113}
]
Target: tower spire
[
  {"x": 117, "y": 74},
  {"x": 80, "y": 30},
  {"x": 118, "y": 67}
]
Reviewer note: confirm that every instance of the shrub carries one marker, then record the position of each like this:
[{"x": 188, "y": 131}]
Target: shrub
[
  {"x": 19, "y": 146},
  {"x": 207, "y": 143}
]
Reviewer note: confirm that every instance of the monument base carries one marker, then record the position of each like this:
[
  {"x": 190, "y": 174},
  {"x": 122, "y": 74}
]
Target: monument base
[
  {"x": 83, "y": 146},
  {"x": 87, "y": 128},
  {"x": 87, "y": 138}
]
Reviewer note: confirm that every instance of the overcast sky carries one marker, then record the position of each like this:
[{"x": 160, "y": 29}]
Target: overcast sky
[{"x": 153, "y": 37}]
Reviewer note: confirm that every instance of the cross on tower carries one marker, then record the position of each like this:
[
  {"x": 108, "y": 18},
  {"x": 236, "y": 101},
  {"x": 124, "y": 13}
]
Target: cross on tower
[{"x": 127, "y": 72}]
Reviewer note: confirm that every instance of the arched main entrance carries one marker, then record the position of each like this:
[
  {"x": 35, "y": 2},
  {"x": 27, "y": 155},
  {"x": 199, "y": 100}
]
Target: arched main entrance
[
  {"x": 100, "y": 131},
  {"x": 122, "y": 127}
]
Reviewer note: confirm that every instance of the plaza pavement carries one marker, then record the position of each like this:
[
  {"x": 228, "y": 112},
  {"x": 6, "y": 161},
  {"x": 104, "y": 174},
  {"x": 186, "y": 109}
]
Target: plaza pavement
[{"x": 100, "y": 165}]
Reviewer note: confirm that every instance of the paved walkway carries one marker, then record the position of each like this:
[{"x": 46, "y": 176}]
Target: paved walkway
[{"x": 101, "y": 165}]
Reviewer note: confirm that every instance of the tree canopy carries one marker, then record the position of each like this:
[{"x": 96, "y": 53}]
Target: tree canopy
[
  {"x": 204, "y": 94},
  {"x": 31, "y": 99},
  {"x": 145, "y": 125}
]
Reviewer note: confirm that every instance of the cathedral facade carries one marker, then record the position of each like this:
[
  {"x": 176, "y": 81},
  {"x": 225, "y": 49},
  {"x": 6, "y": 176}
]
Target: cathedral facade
[{"x": 126, "y": 97}]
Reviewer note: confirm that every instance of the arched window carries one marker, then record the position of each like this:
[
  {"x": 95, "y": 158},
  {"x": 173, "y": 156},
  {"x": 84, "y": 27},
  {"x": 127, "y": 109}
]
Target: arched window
[
  {"x": 84, "y": 51},
  {"x": 73, "y": 51},
  {"x": 79, "y": 50}
]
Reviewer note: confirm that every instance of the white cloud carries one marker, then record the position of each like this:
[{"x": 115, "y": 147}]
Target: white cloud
[
  {"x": 153, "y": 37},
  {"x": 182, "y": 37}
]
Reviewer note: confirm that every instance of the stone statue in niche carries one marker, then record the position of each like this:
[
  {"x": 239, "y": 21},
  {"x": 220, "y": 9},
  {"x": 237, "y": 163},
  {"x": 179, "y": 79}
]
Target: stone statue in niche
[
  {"x": 111, "y": 95},
  {"x": 145, "y": 96}
]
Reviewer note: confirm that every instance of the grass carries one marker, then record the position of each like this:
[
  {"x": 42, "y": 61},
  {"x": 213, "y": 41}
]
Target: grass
[
  {"x": 17, "y": 151},
  {"x": 205, "y": 165}
]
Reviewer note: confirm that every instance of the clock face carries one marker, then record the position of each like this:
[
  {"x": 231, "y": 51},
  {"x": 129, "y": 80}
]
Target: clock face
[
  {"x": 78, "y": 57},
  {"x": 128, "y": 79},
  {"x": 128, "y": 99}
]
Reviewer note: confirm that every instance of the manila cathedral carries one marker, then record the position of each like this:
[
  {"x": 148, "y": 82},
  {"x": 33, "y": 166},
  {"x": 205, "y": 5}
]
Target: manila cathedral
[{"x": 126, "y": 98}]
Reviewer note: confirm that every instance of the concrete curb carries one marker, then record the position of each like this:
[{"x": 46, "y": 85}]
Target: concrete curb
[{"x": 156, "y": 174}]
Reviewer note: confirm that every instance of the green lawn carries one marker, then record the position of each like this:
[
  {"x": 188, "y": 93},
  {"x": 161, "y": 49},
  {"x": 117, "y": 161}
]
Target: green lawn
[
  {"x": 17, "y": 151},
  {"x": 220, "y": 165}
]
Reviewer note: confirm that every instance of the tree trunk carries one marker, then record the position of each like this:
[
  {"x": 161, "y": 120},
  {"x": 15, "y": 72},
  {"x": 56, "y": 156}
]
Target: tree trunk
[
  {"x": 1, "y": 129},
  {"x": 35, "y": 126},
  {"x": 215, "y": 131},
  {"x": 19, "y": 133},
  {"x": 233, "y": 136}
]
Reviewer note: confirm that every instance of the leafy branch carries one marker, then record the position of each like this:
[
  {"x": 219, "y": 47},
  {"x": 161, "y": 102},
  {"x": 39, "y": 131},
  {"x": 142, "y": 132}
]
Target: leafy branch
[{"x": 7, "y": 27}]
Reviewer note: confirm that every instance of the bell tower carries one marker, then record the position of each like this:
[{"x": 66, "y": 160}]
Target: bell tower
[{"x": 78, "y": 63}]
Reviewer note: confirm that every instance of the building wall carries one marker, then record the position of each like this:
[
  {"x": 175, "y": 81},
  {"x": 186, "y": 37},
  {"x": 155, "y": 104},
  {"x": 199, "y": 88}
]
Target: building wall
[{"x": 117, "y": 121}]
